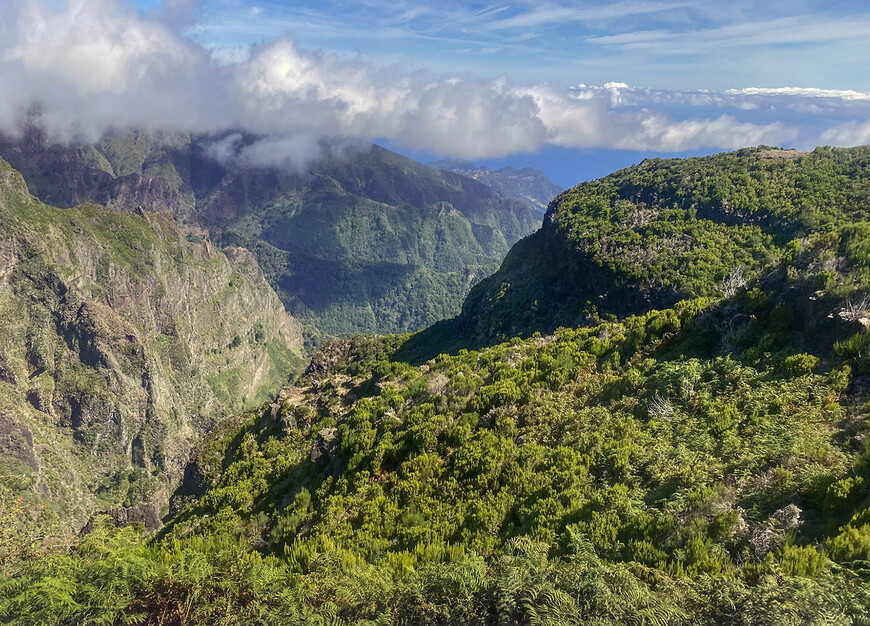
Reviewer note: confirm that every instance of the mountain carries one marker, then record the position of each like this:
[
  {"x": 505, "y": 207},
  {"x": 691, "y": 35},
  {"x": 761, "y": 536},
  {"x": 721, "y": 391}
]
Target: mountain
[
  {"x": 375, "y": 242},
  {"x": 123, "y": 171},
  {"x": 527, "y": 184},
  {"x": 662, "y": 231},
  {"x": 121, "y": 342},
  {"x": 693, "y": 450},
  {"x": 363, "y": 240}
]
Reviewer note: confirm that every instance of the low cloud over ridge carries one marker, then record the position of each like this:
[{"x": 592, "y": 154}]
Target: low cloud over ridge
[{"x": 95, "y": 65}]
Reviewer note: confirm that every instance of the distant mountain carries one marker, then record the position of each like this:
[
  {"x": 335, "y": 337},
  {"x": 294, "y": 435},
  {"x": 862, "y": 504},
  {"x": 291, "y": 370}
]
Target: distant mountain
[
  {"x": 364, "y": 240},
  {"x": 527, "y": 184},
  {"x": 123, "y": 171},
  {"x": 121, "y": 341}
]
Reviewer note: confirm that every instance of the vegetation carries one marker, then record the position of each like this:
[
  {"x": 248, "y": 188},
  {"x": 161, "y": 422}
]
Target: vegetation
[
  {"x": 368, "y": 242},
  {"x": 636, "y": 470},
  {"x": 704, "y": 462},
  {"x": 665, "y": 230},
  {"x": 365, "y": 240},
  {"x": 120, "y": 343}
]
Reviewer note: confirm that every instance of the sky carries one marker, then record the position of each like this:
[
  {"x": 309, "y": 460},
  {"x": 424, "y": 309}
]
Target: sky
[
  {"x": 665, "y": 44},
  {"x": 575, "y": 88}
]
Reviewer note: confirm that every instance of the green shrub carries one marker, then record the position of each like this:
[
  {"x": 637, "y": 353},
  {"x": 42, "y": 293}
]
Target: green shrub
[{"x": 801, "y": 364}]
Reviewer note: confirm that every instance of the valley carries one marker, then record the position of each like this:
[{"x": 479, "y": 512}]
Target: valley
[
  {"x": 365, "y": 313},
  {"x": 361, "y": 240},
  {"x": 654, "y": 412}
]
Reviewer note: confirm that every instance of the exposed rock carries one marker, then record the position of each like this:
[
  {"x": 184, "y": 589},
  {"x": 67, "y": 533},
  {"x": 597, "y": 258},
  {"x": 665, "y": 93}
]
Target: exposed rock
[
  {"x": 8, "y": 261},
  {"x": 326, "y": 444},
  {"x": 437, "y": 383},
  {"x": 287, "y": 422},
  {"x": 148, "y": 513},
  {"x": 16, "y": 441},
  {"x": 764, "y": 540},
  {"x": 787, "y": 518},
  {"x": 771, "y": 535},
  {"x": 245, "y": 261},
  {"x": 741, "y": 527},
  {"x": 328, "y": 357},
  {"x": 130, "y": 340}
]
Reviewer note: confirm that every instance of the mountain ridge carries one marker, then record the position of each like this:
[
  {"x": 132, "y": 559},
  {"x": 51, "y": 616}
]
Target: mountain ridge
[
  {"x": 658, "y": 232},
  {"x": 360, "y": 204},
  {"x": 526, "y": 183}
]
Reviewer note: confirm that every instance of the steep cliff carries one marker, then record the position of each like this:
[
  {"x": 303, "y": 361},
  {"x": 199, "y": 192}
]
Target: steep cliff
[{"x": 120, "y": 342}]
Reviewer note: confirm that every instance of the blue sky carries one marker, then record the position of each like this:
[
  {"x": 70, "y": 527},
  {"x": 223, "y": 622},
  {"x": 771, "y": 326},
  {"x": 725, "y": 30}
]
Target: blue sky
[
  {"x": 666, "y": 44},
  {"x": 575, "y": 88}
]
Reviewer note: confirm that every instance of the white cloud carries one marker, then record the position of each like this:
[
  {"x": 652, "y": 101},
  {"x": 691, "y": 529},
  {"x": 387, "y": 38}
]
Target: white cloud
[
  {"x": 94, "y": 46},
  {"x": 848, "y": 134},
  {"x": 593, "y": 119},
  {"x": 802, "y": 92},
  {"x": 96, "y": 65},
  {"x": 724, "y": 131},
  {"x": 807, "y": 101}
]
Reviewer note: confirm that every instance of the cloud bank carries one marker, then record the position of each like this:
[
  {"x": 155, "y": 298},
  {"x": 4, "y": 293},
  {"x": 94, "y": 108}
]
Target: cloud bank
[{"x": 96, "y": 65}]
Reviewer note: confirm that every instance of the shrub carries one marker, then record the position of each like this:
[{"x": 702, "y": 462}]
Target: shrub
[{"x": 800, "y": 364}]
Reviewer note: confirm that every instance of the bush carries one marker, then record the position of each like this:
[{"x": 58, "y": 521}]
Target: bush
[{"x": 800, "y": 364}]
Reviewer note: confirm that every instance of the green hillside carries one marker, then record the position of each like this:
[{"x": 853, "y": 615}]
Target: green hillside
[
  {"x": 120, "y": 344},
  {"x": 690, "y": 449},
  {"x": 665, "y": 230}
]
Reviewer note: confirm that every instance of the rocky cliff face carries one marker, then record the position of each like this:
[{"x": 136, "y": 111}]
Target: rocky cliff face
[
  {"x": 126, "y": 172},
  {"x": 120, "y": 342}
]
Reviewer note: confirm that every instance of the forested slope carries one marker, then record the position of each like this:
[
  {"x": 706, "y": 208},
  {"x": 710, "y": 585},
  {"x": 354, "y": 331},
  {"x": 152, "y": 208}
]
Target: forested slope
[
  {"x": 666, "y": 230},
  {"x": 670, "y": 460}
]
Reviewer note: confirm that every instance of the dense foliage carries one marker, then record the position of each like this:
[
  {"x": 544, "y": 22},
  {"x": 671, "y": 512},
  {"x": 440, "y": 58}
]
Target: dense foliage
[
  {"x": 665, "y": 230},
  {"x": 651, "y": 470},
  {"x": 700, "y": 463}
]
